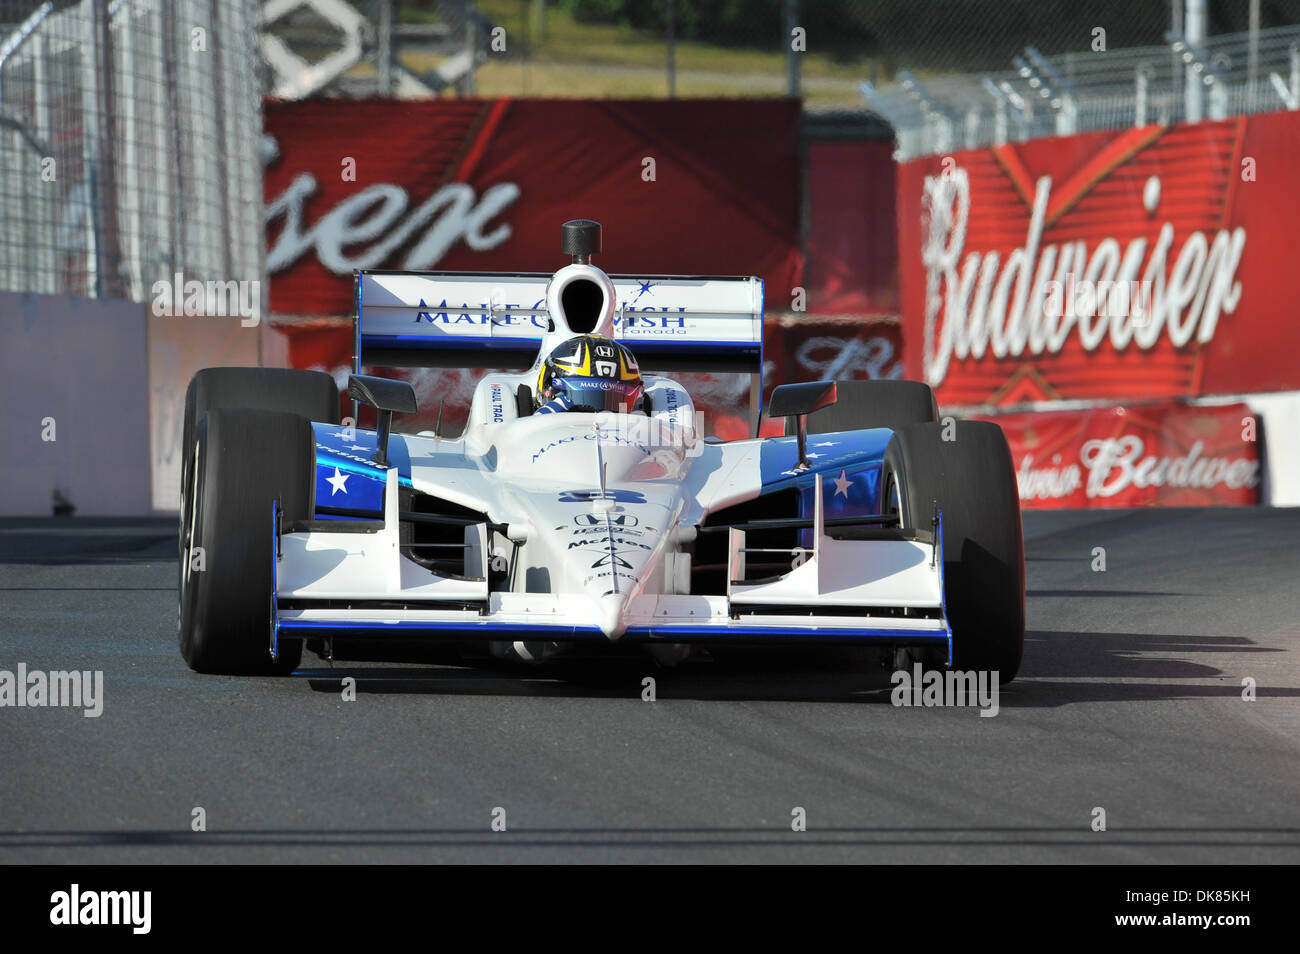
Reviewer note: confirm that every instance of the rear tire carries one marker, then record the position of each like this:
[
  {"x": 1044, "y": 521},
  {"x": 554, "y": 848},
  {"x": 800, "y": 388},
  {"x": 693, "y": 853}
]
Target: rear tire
[
  {"x": 972, "y": 480},
  {"x": 860, "y": 405},
  {"x": 244, "y": 460}
]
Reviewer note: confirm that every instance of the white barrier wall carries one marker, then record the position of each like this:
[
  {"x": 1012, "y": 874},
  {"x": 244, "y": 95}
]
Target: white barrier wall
[
  {"x": 92, "y": 395},
  {"x": 178, "y": 347},
  {"x": 1280, "y": 414},
  {"x": 73, "y": 408}
]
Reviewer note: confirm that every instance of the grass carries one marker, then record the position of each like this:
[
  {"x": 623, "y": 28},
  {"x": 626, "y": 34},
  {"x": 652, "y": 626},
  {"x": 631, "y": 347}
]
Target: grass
[{"x": 568, "y": 58}]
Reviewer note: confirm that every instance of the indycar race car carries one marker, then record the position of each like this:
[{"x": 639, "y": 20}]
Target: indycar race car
[{"x": 582, "y": 509}]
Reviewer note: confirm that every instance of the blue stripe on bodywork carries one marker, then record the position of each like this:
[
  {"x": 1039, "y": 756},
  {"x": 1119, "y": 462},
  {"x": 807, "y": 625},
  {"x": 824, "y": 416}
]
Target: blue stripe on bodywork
[
  {"x": 846, "y": 462},
  {"x": 810, "y": 633},
  {"x": 646, "y": 349},
  {"x": 347, "y": 452}
]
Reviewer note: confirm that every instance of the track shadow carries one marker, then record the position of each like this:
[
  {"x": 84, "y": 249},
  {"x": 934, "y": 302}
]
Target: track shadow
[
  {"x": 793, "y": 680},
  {"x": 1064, "y": 668},
  {"x": 1061, "y": 668},
  {"x": 1132, "y": 655},
  {"x": 668, "y": 837},
  {"x": 64, "y": 541},
  {"x": 1104, "y": 593}
]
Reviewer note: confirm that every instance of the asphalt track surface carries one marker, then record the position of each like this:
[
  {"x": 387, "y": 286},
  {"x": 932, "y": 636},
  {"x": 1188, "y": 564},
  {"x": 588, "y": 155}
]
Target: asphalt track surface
[{"x": 1130, "y": 699}]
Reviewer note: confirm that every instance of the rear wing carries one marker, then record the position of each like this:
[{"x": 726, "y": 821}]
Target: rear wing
[{"x": 498, "y": 320}]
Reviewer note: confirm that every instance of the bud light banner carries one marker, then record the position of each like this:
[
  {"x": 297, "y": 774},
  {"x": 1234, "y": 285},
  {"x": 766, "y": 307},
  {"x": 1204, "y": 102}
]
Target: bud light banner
[
  {"x": 1150, "y": 263},
  {"x": 1158, "y": 454},
  {"x": 693, "y": 187}
]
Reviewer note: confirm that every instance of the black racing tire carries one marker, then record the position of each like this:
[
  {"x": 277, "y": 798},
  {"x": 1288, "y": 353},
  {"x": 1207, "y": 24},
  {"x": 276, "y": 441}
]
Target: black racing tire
[
  {"x": 244, "y": 461},
  {"x": 971, "y": 478},
  {"x": 860, "y": 405},
  {"x": 311, "y": 394}
]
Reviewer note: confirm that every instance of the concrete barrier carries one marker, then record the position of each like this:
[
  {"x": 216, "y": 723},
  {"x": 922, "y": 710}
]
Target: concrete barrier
[{"x": 73, "y": 387}]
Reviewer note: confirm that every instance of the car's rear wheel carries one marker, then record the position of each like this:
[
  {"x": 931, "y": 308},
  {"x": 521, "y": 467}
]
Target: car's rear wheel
[
  {"x": 860, "y": 405},
  {"x": 244, "y": 461},
  {"x": 964, "y": 468}
]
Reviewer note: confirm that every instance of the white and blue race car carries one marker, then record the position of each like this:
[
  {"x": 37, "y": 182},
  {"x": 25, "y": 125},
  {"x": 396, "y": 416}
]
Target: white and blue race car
[{"x": 535, "y": 535}]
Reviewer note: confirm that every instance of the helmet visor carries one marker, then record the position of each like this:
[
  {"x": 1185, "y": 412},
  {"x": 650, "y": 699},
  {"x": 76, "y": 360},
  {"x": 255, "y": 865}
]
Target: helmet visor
[{"x": 599, "y": 394}]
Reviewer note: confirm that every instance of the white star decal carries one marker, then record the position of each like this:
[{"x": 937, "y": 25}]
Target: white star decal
[
  {"x": 812, "y": 456},
  {"x": 338, "y": 482},
  {"x": 358, "y": 447},
  {"x": 842, "y": 486},
  {"x": 825, "y": 444}
]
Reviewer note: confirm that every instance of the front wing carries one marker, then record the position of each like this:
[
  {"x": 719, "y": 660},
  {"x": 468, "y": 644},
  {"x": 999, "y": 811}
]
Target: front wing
[{"x": 870, "y": 587}]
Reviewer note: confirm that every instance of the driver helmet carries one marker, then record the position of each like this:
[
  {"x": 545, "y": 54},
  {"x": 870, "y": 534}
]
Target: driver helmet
[{"x": 590, "y": 373}]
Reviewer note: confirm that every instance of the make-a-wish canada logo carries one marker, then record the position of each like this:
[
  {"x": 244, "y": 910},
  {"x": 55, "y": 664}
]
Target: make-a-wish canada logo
[{"x": 988, "y": 306}]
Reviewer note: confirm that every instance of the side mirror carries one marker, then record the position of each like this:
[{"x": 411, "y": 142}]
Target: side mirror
[
  {"x": 385, "y": 396},
  {"x": 798, "y": 401}
]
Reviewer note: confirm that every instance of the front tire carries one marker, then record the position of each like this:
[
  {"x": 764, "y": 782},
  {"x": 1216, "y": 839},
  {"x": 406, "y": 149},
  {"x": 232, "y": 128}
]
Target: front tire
[
  {"x": 311, "y": 394},
  {"x": 244, "y": 461},
  {"x": 965, "y": 469}
]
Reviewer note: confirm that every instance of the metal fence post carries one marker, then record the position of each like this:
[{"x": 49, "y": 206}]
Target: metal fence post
[
  {"x": 671, "y": 49},
  {"x": 793, "y": 82}
]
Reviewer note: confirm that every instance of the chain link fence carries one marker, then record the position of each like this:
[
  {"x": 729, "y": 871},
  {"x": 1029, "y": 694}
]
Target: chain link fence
[
  {"x": 819, "y": 50},
  {"x": 1227, "y": 75},
  {"x": 954, "y": 74},
  {"x": 129, "y": 145}
]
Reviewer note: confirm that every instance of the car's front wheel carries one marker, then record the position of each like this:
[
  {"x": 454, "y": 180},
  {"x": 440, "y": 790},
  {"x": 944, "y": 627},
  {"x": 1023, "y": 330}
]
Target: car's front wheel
[{"x": 244, "y": 462}]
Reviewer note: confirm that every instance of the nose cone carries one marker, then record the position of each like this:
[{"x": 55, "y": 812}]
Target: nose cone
[
  {"x": 610, "y": 614},
  {"x": 609, "y": 568}
]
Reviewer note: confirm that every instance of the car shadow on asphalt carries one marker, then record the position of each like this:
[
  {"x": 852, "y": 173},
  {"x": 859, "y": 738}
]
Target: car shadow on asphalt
[
  {"x": 815, "y": 674},
  {"x": 1060, "y": 668},
  {"x": 618, "y": 680}
]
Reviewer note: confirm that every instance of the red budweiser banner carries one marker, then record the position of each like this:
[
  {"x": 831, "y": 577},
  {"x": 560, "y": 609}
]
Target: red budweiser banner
[
  {"x": 852, "y": 244},
  {"x": 682, "y": 187},
  {"x": 1166, "y": 453},
  {"x": 1154, "y": 262},
  {"x": 794, "y": 350}
]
